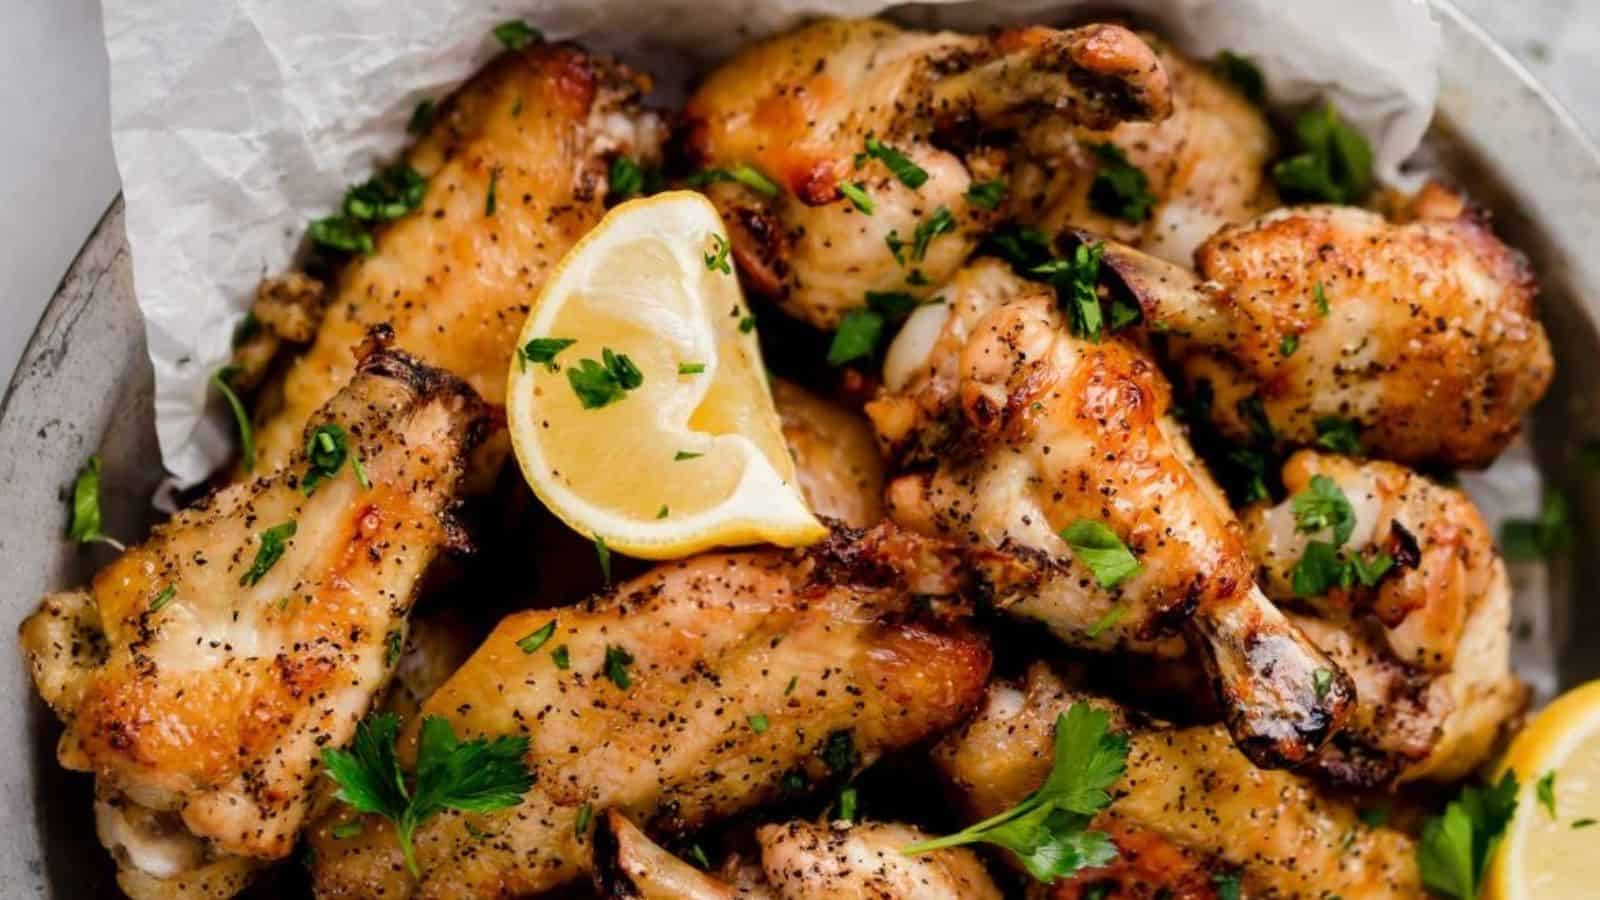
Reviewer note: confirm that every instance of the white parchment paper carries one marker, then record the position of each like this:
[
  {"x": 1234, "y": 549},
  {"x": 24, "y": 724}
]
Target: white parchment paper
[{"x": 236, "y": 122}]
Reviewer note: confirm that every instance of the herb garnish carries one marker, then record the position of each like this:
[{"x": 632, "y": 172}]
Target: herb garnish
[
  {"x": 268, "y": 552},
  {"x": 537, "y": 638},
  {"x": 1529, "y": 539},
  {"x": 987, "y": 194},
  {"x": 163, "y": 598},
  {"x": 747, "y": 324},
  {"x": 839, "y": 752},
  {"x": 616, "y": 666},
  {"x": 685, "y": 368},
  {"x": 861, "y": 329},
  {"x": 561, "y": 657},
  {"x": 341, "y": 233},
  {"x": 1455, "y": 847},
  {"x": 1320, "y": 298},
  {"x": 857, "y": 195},
  {"x": 543, "y": 351},
  {"x": 758, "y": 722},
  {"x": 1076, "y": 281},
  {"x": 1048, "y": 831},
  {"x": 85, "y": 525},
  {"x": 421, "y": 116},
  {"x": 516, "y": 34},
  {"x": 847, "y": 804},
  {"x": 327, "y": 447},
  {"x": 910, "y": 174},
  {"x": 1112, "y": 617},
  {"x": 1240, "y": 72},
  {"x": 682, "y": 455},
  {"x": 1339, "y": 435},
  {"x": 626, "y": 179},
  {"x": 1321, "y": 569},
  {"x": 603, "y": 554},
  {"x": 1545, "y": 790},
  {"x": 1334, "y": 162},
  {"x": 489, "y": 199},
  {"x": 386, "y": 196},
  {"x": 1324, "y": 505},
  {"x": 1120, "y": 189},
  {"x": 744, "y": 174},
  {"x": 247, "y": 440},
  {"x": 717, "y": 258},
  {"x": 1099, "y": 548},
  {"x": 477, "y": 776},
  {"x": 1288, "y": 344},
  {"x": 941, "y": 222},
  {"x": 599, "y": 384}
]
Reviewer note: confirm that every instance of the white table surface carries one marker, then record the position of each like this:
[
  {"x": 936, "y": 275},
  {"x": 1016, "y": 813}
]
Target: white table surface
[{"x": 57, "y": 175}]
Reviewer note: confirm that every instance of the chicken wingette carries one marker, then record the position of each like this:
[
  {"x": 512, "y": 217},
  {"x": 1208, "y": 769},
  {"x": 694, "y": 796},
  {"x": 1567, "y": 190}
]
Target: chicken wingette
[
  {"x": 1428, "y": 645},
  {"x": 1188, "y": 803},
  {"x": 1421, "y": 335},
  {"x": 836, "y": 458},
  {"x": 201, "y": 673},
  {"x": 699, "y": 689},
  {"x": 859, "y": 155},
  {"x": 1021, "y": 431},
  {"x": 516, "y": 165}
]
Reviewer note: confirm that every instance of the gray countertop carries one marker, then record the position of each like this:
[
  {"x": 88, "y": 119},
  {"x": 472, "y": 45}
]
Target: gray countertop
[{"x": 57, "y": 175}]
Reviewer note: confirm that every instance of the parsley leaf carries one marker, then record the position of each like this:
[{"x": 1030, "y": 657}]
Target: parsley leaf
[
  {"x": 626, "y": 179},
  {"x": 386, "y": 196},
  {"x": 987, "y": 195},
  {"x": 342, "y": 234},
  {"x": 941, "y": 222},
  {"x": 910, "y": 174},
  {"x": 1288, "y": 344},
  {"x": 561, "y": 657},
  {"x": 717, "y": 257},
  {"x": 85, "y": 525},
  {"x": 744, "y": 174},
  {"x": 857, "y": 337},
  {"x": 1455, "y": 847},
  {"x": 543, "y": 351},
  {"x": 839, "y": 752},
  {"x": 537, "y": 638},
  {"x": 247, "y": 440},
  {"x": 421, "y": 116},
  {"x": 163, "y": 598},
  {"x": 1112, "y": 617},
  {"x": 1120, "y": 189},
  {"x": 1334, "y": 162},
  {"x": 1529, "y": 539},
  {"x": 1048, "y": 830},
  {"x": 1321, "y": 569},
  {"x": 268, "y": 551},
  {"x": 600, "y": 384},
  {"x": 1099, "y": 548},
  {"x": 1339, "y": 435},
  {"x": 603, "y": 554},
  {"x": 616, "y": 666},
  {"x": 758, "y": 722},
  {"x": 1076, "y": 281},
  {"x": 477, "y": 776},
  {"x": 847, "y": 804},
  {"x": 857, "y": 195},
  {"x": 1320, "y": 298},
  {"x": 688, "y": 368},
  {"x": 516, "y": 34},
  {"x": 1545, "y": 790},
  {"x": 1227, "y": 883},
  {"x": 1023, "y": 246},
  {"x": 327, "y": 448},
  {"x": 1323, "y": 505},
  {"x": 1240, "y": 72}
]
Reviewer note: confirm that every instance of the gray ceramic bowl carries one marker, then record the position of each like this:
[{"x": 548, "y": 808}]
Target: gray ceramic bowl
[{"x": 84, "y": 385}]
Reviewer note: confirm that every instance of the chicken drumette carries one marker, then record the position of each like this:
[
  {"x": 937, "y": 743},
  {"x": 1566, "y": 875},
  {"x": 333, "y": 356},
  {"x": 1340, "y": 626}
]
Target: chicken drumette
[
  {"x": 902, "y": 119},
  {"x": 1422, "y": 335},
  {"x": 1019, "y": 430}
]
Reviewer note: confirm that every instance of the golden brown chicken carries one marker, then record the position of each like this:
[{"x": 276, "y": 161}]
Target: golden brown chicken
[
  {"x": 1204, "y": 167},
  {"x": 1423, "y": 334},
  {"x": 516, "y": 165},
  {"x": 1031, "y": 431},
  {"x": 1428, "y": 646},
  {"x": 798, "y": 861},
  {"x": 643, "y": 699},
  {"x": 899, "y": 118},
  {"x": 836, "y": 458},
  {"x": 203, "y": 670},
  {"x": 1188, "y": 801}
]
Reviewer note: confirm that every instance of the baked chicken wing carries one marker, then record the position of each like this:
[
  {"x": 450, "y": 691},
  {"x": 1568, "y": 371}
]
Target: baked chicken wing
[
  {"x": 1428, "y": 646},
  {"x": 1023, "y": 430},
  {"x": 1423, "y": 334},
  {"x": 516, "y": 165},
  {"x": 900, "y": 117},
  {"x": 201, "y": 673},
  {"x": 1190, "y": 806},
  {"x": 1205, "y": 166},
  {"x": 836, "y": 458},
  {"x": 645, "y": 700}
]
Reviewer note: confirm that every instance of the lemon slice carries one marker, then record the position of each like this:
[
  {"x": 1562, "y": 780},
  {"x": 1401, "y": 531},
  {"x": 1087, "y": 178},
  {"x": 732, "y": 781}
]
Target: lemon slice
[
  {"x": 690, "y": 456},
  {"x": 1553, "y": 857}
]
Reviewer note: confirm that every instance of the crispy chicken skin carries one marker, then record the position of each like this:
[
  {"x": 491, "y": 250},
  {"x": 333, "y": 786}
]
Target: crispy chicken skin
[
  {"x": 1430, "y": 340},
  {"x": 799, "y": 108},
  {"x": 1189, "y": 799},
  {"x": 200, "y": 684},
  {"x": 630, "y": 866},
  {"x": 1040, "y": 429},
  {"x": 714, "y": 639},
  {"x": 836, "y": 458},
  {"x": 455, "y": 282},
  {"x": 1206, "y": 165},
  {"x": 1429, "y": 647}
]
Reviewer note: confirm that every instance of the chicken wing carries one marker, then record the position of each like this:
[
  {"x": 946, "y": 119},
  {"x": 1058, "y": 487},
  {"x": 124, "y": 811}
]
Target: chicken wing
[
  {"x": 516, "y": 165},
  {"x": 203, "y": 670},
  {"x": 1205, "y": 166},
  {"x": 1031, "y": 430},
  {"x": 1188, "y": 801},
  {"x": 836, "y": 458},
  {"x": 643, "y": 699},
  {"x": 902, "y": 117},
  {"x": 1424, "y": 334},
  {"x": 1429, "y": 646}
]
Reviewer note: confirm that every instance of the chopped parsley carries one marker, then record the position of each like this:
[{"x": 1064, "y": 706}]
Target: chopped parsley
[
  {"x": 603, "y": 554},
  {"x": 789, "y": 688},
  {"x": 626, "y": 179},
  {"x": 857, "y": 195},
  {"x": 346, "y": 830},
  {"x": 477, "y": 776},
  {"x": 1324, "y": 505},
  {"x": 386, "y": 196},
  {"x": 341, "y": 234},
  {"x": 421, "y": 116},
  {"x": 85, "y": 525},
  {"x": 1228, "y": 885},
  {"x": 1048, "y": 831},
  {"x": 561, "y": 657},
  {"x": 1545, "y": 790},
  {"x": 662, "y": 512},
  {"x": 1321, "y": 569},
  {"x": 1583, "y": 823},
  {"x": 910, "y": 174},
  {"x": 1529, "y": 539},
  {"x": 1376, "y": 817},
  {"x": 857, "y": 337},
  {"x": 488, "y": 200},
  {"x": 987, "y": 194},
  {"x": 691, "y": 368},
  {"x": 697, "y": 855},
  {"x": 247, "y": 439},
  {"x": 580, "y": 825},
  {"x": 516, "y": 34},
  {"x": 327, "y": 448},
  {"x": 1339, "y": 435},
  {"x": 393, "y": 644},
  {"x": 897, "y": 246},
  {"x": 747, "y": 324},
  {"x": 941, "y": 222},
  {"x": 1099, "y": 548},
  {"x": 1320, "y": 298},
  {"x": 758, "y": 723},
  {"x": 1455, "y": 847},
  {"x": 1023, "y": 246},
  {"x": 268, "y": 552},
  {"x": 163, "y": 598},
  {"x": 1322, "y": 682},
  {"x": 1333, "y": 163},
  {"x": 1288, "y": 344},
  {"x": 839, "y": 752},
  {"x": 537, "y": 638},
  {"x": 848, "y": 802},
  {"x": 602, "y": 383},
  {"x": 717, "y": 257},
  {"x": 543, "y": 351},
  {"x": 1242, "y": 74},
  {"x": 682, "y": 455},
  {"x": 616, "y": 666},
  {"x": 1076, "y": 281},
  {"x": 1112, "y": 617},
  {"x": 744, "y": 174},
  {"x": 1120, "y": 189}
]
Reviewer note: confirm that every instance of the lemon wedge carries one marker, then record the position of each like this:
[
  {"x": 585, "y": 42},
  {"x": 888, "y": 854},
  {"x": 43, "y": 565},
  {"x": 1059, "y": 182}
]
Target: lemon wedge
[
  {"x": 1545, "y": 856},
  {"x": 638, "y": 404}
]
